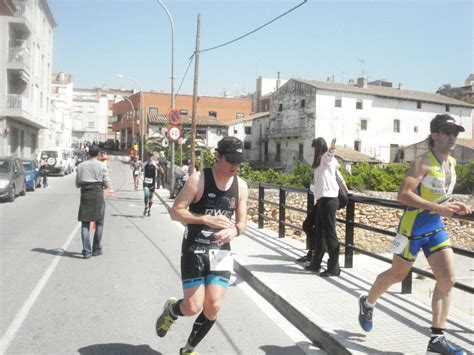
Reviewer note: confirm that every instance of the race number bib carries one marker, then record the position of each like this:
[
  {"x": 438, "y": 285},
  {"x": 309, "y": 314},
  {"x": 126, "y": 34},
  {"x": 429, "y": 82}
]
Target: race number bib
[
  {"x": 398, "y": 244},
  {"x": 220, "y": 260},
  {"x": 135, "y": 172},
  {"x": 148, "y": 180}
]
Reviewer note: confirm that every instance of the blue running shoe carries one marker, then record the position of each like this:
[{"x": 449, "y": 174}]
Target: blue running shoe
[
  {"x": 441, "y": 345},
  {"x": 365, "y": 314}
]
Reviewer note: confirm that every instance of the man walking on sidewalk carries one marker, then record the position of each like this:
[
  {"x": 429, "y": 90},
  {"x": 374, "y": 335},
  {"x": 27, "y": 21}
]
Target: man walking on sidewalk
[
  {"x": 206, "y": 204},
  {"x": 92, "y": 177},
  {"x": 426, "y": 192}
]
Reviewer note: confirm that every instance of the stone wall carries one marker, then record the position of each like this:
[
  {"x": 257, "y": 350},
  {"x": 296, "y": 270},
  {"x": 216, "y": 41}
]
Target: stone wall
[{"x": 460, "y": 232}]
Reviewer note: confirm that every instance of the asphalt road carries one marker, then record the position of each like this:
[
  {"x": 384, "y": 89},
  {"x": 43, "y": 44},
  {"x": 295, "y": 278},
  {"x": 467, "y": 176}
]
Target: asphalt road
[{"x": 52, "y": 301}]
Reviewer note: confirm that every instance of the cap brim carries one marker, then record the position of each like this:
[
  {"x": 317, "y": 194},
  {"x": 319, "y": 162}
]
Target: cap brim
[
  {"x": 451, "y": 127},
  {"x": 234, "y": 157}
]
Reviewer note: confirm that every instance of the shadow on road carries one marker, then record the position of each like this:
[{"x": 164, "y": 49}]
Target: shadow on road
[
  {"x": 60, "y": 252},
  {"x": 127, "y": 215},
  {"x": 117, "y": 348}
]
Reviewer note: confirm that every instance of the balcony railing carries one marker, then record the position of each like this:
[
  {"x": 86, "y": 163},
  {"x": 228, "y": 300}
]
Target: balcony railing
[
  {"x": 286, "y": 132},
  {"x": 20, "y": 55},
  {"x": 18, "y": 102}
]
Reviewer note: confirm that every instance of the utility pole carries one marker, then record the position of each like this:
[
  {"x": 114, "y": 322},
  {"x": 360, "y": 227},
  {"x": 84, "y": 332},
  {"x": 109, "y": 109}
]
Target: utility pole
[{"x": 195, "y": 94}]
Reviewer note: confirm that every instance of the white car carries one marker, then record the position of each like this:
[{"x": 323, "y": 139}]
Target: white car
[{"x": 60, "y": 160}]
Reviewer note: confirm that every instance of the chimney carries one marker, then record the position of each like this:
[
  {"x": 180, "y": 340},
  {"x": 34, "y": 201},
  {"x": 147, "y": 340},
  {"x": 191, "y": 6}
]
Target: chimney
[
  {"x": 400, "y": 86},
  {"x": 362, "y": 82},
  {"x": 278, "y": 81}
]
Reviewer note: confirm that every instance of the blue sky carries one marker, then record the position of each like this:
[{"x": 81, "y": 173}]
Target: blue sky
[{"x": 422, "y": 44}]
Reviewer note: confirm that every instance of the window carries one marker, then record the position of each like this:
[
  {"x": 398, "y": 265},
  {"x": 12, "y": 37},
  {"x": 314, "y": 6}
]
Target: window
[
  {"x": 239, "y": 115},
  {"x": 280, "y": 107},
  {"x": 247, "y": 145},
  {"x": 415, "y": 129},
  {"x": 338, "y": 102},
  {"x": 396, "y": 126},
  {"x": 90, "y": 109},
  {"x": 153, "y": 110},
  {"x": 213, "y": 114},
  {"x": 300, "y": 152},
  {"x": 34, "y": 142},
  {"x": 78, "y": 109},
  {"x": 447, "y": 108},
  {"x": 235, "y": 131},
  {"x": 248, "y": 130},
  {"x": 363, "y": 125},
  {"x": 359, "y": 105},
  {"x": 418, "y": 104},
  {"x": 41, "y": 100},
  {"x": 183, "y": 111},
  {"x": 90, "y": 124},
  {"x": 303, "y": 103},
  {"x": 278, "y": 153},
  {"x": 357, "y": 145}
]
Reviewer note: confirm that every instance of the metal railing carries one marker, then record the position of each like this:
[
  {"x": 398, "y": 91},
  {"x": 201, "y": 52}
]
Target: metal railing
[{"x": 350, "y": 225}]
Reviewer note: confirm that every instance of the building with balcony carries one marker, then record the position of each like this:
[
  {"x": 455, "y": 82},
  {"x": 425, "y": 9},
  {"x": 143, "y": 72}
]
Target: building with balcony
[
  {"x": 61, "y": 106},
  {"x": 26, "y": 45}
]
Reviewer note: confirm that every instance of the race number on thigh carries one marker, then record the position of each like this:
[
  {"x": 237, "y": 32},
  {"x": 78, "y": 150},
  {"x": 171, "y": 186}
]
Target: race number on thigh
[
  {"x": 398, "y": 244},
  {"x": 220, "y": 260}
]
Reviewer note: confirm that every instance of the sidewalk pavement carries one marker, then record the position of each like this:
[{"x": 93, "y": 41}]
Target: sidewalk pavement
[{"x": 326, "y": 309}]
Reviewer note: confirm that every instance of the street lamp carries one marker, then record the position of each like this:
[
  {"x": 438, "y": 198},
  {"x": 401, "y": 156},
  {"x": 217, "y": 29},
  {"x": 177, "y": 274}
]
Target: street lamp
[
  {"x": 172, "y": 90},
  {"x": 133, "y": 117},
  {"x": 142, "y": 106}
]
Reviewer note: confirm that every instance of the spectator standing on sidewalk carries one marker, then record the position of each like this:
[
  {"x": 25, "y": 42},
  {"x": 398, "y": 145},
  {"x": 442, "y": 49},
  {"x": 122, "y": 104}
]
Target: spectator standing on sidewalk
[
  {"x": 325, "y": 190},
  {"x": 92, "y": 177},
  {"x": 162, "y": 173},
  {"x": 426, "y": 192},
  {"x": 206, "y": 205}
]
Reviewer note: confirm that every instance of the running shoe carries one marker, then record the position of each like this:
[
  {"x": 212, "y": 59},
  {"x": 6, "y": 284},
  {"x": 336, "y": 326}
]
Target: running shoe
[
  {"x": 441, "y": 345},
  {"x": 149, "y": 213},
  {"x": 187, "y": 352},
  {"x": 365, "y": 314},
  {"x": 166, "y": 320},
  {"x": 144, "y": 212}
]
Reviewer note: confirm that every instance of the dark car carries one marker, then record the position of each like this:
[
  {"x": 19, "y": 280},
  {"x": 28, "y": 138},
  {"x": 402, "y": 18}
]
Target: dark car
[
  {"x": 80, "y": 156},
  {"x": 32, "y": 173},
  {"x": 12, "y": 178}
]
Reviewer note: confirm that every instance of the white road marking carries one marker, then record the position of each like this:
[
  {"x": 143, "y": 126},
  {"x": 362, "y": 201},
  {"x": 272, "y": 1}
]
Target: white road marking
[{"x": 9, "y": 335}]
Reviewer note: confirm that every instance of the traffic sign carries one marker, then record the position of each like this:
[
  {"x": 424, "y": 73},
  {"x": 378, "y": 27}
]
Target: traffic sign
[
  {"x": 174, "y": 116},
  {"x": 174, "y": 133},
  {"x": 165, "y": 142}
]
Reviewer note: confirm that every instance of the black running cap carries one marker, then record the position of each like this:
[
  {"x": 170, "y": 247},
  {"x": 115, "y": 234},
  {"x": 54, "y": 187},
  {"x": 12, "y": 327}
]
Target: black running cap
[
  {"x": 445, "y": 123},
  {"x": 231, "y": 149}
]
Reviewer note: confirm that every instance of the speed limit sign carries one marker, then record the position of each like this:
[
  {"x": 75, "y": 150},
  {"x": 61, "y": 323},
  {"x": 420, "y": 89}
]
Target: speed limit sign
[{"x": 174, "y": 133}]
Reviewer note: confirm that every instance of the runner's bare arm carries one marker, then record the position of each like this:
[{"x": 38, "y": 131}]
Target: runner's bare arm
[
  {"x": 192, "y": 192},
  {"x": 407, "y": 195}
]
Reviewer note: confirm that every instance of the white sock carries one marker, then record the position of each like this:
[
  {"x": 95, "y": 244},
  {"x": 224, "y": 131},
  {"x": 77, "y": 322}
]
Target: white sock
[{"x": 368, "y": 304}]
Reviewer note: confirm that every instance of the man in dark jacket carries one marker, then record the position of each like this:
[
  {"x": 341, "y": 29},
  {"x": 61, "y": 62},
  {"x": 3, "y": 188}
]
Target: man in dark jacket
[{"x": 92, "y": 177}]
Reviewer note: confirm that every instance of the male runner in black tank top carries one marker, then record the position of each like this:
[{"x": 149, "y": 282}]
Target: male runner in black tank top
[
  {"x": 205, "y": 205},
  {"x": 149, "y": 180}
]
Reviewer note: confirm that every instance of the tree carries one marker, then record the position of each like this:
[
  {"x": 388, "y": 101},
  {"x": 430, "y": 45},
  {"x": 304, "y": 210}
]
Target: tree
[{"x": 449, "y": 91}]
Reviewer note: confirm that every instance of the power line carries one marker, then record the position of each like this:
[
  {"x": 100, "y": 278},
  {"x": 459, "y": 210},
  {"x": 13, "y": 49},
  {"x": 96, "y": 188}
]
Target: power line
[{"x": 255, "y": 30}]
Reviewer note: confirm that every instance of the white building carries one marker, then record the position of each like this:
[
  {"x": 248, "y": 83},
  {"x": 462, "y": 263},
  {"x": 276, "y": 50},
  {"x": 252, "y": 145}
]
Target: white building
[
  {"x": 26, "y": 45},
  {"x": 61, "y": 104},
  {"x": 374, "y": 119}
]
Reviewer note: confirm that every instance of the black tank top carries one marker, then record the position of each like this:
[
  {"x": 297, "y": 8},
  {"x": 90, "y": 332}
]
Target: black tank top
[
  {"x": 149, "y": 174},
  {"x": 213, "y": 202}
]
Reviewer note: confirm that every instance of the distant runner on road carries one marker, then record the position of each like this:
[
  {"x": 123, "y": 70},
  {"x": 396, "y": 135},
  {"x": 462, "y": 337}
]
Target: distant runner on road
[
  {"x": 426, "y": 191},
  {"x": 206, "y": 205}
]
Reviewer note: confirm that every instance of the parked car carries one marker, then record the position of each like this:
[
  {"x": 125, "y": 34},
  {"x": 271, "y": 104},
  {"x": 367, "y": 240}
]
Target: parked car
[
  {"x": 80, "y": 156},
  {"x": 12, "y": 178},
  {"x": 60, "y": 160},
  {"x": 32, "y": 173}
]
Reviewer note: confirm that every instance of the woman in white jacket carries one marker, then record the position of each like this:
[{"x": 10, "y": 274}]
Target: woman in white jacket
[{"x": 325, "y": 190}]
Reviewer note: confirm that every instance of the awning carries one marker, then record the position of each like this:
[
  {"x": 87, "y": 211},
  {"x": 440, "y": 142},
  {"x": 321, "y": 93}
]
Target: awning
[{"x": 186, "y": 120}]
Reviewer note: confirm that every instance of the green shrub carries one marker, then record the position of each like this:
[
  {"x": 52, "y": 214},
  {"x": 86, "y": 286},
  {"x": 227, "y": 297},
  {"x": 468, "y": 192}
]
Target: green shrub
[{"x": 464, "y": 178}]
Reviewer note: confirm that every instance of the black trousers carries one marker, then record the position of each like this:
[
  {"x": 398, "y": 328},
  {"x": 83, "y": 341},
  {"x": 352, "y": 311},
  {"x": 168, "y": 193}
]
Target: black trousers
[
  {"x": 309, "y": 229},
  {"x": 325, "y": 223}
]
